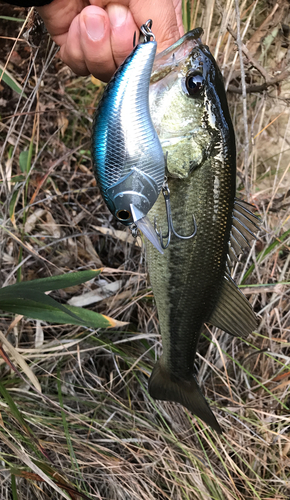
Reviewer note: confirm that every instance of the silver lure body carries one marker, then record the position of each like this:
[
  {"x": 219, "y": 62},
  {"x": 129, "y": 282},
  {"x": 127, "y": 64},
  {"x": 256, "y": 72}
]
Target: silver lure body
[{"x": 128, "y": 159}]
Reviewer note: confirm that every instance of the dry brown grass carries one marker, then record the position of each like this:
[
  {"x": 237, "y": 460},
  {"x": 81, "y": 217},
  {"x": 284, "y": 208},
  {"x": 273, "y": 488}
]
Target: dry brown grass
[{"x": 94, "y": 428}]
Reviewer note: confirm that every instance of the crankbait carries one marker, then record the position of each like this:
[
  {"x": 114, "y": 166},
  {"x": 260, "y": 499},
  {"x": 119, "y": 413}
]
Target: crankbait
[{"x": 127, "y": 155}]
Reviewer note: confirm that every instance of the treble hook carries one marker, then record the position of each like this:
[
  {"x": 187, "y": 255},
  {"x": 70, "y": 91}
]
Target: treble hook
[
  {"x": 146, "y": 31},
  {"x": 171, "y": 230}
]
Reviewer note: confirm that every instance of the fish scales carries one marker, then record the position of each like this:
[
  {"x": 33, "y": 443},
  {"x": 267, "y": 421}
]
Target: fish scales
[
  {"x": 186, "y": 283},
  {"x": 190, "y": 281}
]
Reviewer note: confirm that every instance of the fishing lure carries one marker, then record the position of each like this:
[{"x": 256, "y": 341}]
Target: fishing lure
[{"x": 127, "y": 155}]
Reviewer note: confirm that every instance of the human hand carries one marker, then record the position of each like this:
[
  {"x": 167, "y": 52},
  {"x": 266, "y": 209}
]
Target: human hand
[{"x": 95, "y": 36}]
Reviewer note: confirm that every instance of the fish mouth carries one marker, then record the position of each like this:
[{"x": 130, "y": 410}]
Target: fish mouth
[{"x": 169, "y": 60}]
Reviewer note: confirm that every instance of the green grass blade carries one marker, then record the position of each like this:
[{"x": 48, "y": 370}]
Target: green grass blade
[
  {"x": 186, "y": 14},
  {"x": 23, "y": 161},
  {"x": 9, "y": 18},
  {"x": 8, "y": 78},
  {"x": 13, "y": 487},
  {"x": 13, "y": 203},
  {"x": 14, "y": 411},
  {"x": 265, "y": 252},
  {"x": 65, "y": 425}
]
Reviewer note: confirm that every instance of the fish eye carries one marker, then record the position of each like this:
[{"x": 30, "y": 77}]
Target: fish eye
[{"x": 194, "y": 83}]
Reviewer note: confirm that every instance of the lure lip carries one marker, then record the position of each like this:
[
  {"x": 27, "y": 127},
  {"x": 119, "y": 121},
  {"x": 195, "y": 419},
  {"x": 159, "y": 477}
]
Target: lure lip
[{"x": 144, "y": 225}]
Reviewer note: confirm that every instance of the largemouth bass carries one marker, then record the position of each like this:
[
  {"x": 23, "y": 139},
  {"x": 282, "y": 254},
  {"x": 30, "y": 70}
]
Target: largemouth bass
[
  {"x": 128, "y": 159},
  {"x": 191, "y": 282}
]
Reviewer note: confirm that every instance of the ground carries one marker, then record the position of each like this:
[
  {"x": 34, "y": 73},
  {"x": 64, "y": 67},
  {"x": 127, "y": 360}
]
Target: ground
[{"x": 93, "y": 431}]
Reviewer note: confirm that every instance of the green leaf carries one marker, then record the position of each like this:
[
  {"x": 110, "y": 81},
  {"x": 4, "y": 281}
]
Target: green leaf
[
  {"x": 15, "y": 179},
  {"x": 8, "y": 78},
  {"x": 52, "y": 283},
  {"x": 23, "y": 161},
  {"x": 27, "y": 298},
  {"x": 65, "y": 315},
  {"x": 30, "y": 298},
  {"x": 91, "y": 318}
]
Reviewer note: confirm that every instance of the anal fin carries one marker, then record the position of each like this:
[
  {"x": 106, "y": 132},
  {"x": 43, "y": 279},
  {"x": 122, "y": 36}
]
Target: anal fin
[
  {"x": 233, "y": 312},
  {"x": 186, "y": 392}
]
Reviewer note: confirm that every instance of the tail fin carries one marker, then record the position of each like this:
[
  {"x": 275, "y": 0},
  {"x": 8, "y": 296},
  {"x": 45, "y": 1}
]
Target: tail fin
[{"x": 185, "y": 392}]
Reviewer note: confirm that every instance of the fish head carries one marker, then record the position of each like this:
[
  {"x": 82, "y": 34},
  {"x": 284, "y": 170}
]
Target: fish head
[{"x": 188, "y": 105}]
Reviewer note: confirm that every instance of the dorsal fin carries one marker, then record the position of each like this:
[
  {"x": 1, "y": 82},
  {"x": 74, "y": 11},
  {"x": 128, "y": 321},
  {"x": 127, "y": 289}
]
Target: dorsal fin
[
  {"x": 244, "y": 223},
  {"x": 233, "y": 312}
]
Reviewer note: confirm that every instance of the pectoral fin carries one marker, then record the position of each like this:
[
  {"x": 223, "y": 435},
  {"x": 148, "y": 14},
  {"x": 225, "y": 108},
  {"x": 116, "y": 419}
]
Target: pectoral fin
[
  {"x": 233, "y": 312},
  {"x": 187, "y": 393}
]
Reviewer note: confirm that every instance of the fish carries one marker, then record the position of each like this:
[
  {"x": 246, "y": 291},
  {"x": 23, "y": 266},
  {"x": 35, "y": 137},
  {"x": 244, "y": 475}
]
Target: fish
[
  {"x": 128, "y": 160},
  {"x": 192, "y": 282}
]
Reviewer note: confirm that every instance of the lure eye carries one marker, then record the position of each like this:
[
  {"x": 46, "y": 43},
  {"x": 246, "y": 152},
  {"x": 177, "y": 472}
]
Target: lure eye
[
  {"x": 123, "y": 215},
  {"x": 194, "y": 84}
]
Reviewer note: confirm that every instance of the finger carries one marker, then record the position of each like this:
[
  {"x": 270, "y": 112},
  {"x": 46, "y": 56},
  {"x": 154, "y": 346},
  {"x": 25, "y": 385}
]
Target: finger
[
  {"x": 166, "y": 17},
  {"x": 165, "y": 23},
  {"x": 178, "y": 11},
  {"x": 58, "y": 16},
  {"x": 71, "y": 51},
  {"x": 95, "y": 42},
  {"x": 123, "y": 27}
]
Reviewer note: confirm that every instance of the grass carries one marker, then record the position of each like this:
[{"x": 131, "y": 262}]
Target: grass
[{"x": 76, "y": 418}]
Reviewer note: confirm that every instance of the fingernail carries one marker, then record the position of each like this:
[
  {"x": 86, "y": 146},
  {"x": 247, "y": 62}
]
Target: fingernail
[
  {"x": 95, "y": 26},
  {"x": 117, "y": 14}
]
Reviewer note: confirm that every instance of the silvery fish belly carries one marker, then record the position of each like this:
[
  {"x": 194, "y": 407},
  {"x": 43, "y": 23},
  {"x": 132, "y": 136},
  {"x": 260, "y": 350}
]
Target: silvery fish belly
[
  {"x": 128, "y": 159},
  {"x": 191, "y": 282}
]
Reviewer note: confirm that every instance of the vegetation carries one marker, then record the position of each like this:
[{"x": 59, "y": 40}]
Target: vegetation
[{"x": 76, "y": 418}]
